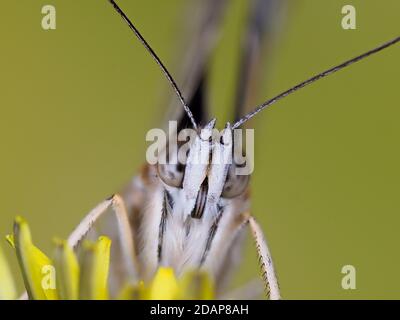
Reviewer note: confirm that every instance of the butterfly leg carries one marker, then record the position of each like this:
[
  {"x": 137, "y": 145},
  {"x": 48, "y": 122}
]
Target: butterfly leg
[
  {"x": 267, "y": 267},
  {"x": 126, "y": 238},
  {"x": 117, "y": 206},
  {"x": 110, "y": 218},
  {"x": 110, "y": 210},
  {"x": 251, "y": 290}
]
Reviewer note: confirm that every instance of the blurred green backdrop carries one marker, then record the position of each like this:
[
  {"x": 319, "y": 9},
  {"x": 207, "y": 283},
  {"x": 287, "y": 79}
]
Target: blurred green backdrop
[{"x": 76, "y": 103}]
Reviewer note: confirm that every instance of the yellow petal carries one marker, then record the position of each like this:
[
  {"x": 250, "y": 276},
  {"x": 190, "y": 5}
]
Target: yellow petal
[
  {"x": 67, "y": 268},
  {"x": 7, "y": 286},
  {"x": 164, "y": 285},
  {"x": 10, "y": 240},
  {"x": 196, "y": 285},
  {"x": 94, "y": 270},
  {"x": 37, "y": 269},
  {"x": 132, "y": 292}
]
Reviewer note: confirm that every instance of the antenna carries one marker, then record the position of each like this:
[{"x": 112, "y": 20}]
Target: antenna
[
  {"x": 157, "y": 60},
  {"x": 319, "y": 76}
]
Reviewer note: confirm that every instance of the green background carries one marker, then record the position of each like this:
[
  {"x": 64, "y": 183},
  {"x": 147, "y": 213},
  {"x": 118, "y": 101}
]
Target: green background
[{"x": 77, "y": 102}]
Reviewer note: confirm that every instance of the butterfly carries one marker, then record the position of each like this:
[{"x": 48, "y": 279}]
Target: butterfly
[{"x": 193, "y": 215}]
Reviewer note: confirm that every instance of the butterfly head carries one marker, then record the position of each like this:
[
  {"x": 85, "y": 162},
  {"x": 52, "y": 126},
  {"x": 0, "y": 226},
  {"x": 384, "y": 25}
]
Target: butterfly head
[{"x": 209, "y": 178}]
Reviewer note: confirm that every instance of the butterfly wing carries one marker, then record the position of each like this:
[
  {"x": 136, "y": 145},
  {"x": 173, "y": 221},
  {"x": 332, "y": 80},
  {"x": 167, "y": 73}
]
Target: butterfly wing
[
  {"x": 203, "y": 31},
  {"x": 262, "y": 28}
]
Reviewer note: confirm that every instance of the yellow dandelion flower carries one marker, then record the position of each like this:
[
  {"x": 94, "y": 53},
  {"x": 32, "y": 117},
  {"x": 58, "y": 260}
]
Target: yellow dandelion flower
[{"x": 72, "y": 276}]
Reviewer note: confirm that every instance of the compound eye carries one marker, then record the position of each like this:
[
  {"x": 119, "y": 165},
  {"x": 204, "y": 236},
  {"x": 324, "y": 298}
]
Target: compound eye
[
  {"x": 171, "y": 174},
  {"x": 235, "y": 184}
]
